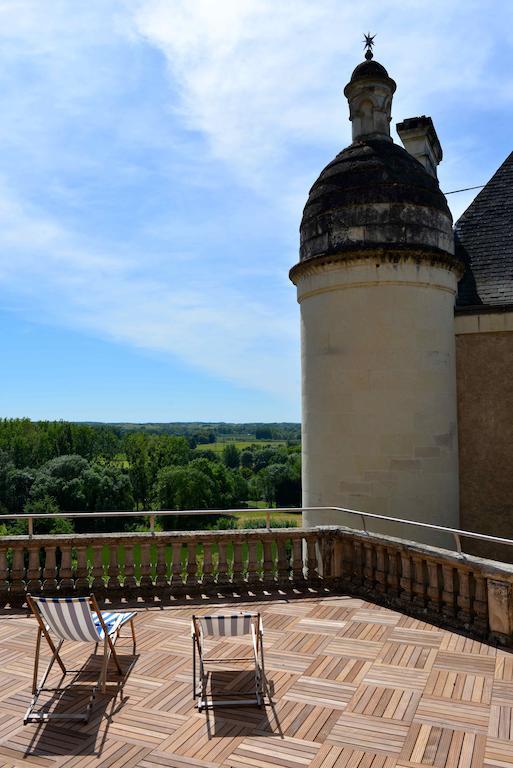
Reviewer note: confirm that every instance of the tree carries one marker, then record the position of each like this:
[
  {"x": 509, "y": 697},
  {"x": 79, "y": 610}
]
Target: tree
[
  {"x": 184, "y": 488},
  {"x": 231, "y": 456},
  {"x": 136, "y": 448}
]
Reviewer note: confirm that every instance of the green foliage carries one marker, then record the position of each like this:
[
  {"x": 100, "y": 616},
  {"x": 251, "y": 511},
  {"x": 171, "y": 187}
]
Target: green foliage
[
  {"x": 231, "y": 456},
  {"x": 62, "y": 466}
]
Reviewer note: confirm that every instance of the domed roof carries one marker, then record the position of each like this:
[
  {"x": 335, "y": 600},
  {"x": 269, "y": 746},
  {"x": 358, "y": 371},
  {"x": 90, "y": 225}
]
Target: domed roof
[
  {"x": 369, "y": 68},
  {"x": 374, "y": 194}
]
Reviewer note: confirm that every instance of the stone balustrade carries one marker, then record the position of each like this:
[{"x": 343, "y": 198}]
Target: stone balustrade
[{"x": 449, "y": 588}]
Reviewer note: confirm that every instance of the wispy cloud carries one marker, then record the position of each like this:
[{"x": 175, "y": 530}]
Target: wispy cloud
[{"x": 156, "y": 155}]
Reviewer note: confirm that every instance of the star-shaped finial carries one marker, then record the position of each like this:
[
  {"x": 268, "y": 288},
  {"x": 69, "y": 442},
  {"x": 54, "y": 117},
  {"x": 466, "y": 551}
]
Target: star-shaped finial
[{"x": 368, "y": 43}]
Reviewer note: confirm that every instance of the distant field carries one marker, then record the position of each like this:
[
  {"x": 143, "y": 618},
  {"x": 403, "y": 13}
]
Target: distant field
[{"x": 218, "y": 447}]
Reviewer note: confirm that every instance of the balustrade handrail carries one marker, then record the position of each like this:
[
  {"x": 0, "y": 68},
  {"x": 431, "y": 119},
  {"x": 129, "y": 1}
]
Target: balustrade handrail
[{"x": 456, "y": 533}]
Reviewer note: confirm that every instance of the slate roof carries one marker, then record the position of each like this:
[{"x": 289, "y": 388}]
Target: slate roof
[{"x": 484, "y": 240}]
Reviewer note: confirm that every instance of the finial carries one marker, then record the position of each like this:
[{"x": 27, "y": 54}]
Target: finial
[{"x": 368, "y": 43}]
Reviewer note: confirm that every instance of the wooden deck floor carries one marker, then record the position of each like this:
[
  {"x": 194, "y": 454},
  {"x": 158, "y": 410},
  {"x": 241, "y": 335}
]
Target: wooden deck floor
[{"x": 352, "y": 685}]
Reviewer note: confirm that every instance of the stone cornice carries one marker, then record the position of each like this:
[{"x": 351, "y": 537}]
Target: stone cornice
[{"x": 389, "y": 254}]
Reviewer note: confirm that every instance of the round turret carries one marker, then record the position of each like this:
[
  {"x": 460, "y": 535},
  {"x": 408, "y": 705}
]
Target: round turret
[{"x": 376, "y": 281}]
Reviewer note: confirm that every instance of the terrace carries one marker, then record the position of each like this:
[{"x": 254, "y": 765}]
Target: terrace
[{"x": 380, "y": 652}]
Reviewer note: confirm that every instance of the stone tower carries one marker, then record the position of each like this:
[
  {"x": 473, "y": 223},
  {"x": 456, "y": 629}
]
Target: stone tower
[{"x": 376, "y": 282}]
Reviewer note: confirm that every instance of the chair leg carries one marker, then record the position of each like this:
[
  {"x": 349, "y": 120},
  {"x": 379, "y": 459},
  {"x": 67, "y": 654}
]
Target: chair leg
[
  {"x": 105, "y": 663},
  {"x": 132, "y": 628},
  {"x": 36, "y": 659}
]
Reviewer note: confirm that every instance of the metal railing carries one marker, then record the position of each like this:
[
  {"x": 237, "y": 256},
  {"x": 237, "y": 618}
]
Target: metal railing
[{"x": 456, "y": 533}]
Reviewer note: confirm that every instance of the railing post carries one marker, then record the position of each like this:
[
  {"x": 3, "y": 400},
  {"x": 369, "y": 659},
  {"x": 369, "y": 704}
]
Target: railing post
[
  {"x": 298, "y": 574},
  {"x": 176, "y": 579},
  {"x": 82, "y": 573},
  {"x": 222, "y": 564},
  {"x": 50, "y": 571},
  {"x": 268, "y": 575},
  {"x": 192, "y": 565},
  {"x": 283, "y": 563},
  {"x": 207, "y": 576},
  {"x": 34, "y": 571},
  {"x": 4, "y": 580},
  {"x": 253, "y": 565},
  {"x": 129, "y": 582},
  {"x": 238, "y": 567},
  {"x": 17, "y": 591},
  {"x": 98, "y": 578},
  {"x": 65, "y": 573}
]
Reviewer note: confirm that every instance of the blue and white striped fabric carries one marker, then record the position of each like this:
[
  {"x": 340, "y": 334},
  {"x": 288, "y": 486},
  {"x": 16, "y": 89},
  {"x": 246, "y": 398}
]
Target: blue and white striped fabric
[
  {"x": 70, "y": 618},
  {"x": 113, "y": 621},
  {"x": 227, "y": 626}
]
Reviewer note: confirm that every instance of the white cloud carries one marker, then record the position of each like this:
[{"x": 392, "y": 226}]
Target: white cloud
[{"x": 256, "y": 85}]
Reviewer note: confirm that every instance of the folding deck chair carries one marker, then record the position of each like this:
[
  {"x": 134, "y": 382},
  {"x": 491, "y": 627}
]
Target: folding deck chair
[
  {"x": 78, "y": 619},
  {"x": 233, "y": 625}
]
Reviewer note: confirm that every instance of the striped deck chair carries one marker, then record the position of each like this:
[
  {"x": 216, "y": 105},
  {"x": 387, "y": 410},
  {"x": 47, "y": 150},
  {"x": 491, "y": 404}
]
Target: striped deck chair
[
  {"x": 233, "y": 625},
  {"x": 78, "y": 619}
]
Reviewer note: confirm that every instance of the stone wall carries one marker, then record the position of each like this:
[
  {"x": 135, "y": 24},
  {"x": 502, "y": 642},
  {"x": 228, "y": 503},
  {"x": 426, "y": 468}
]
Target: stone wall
[{"x": 484, "y": 358}]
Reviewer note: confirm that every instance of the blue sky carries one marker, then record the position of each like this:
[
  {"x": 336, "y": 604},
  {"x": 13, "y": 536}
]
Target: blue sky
[{"x": 155, "y": 156}]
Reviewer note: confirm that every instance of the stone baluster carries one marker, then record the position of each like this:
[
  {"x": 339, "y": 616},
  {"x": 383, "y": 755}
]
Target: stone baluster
[
  {"x": 419, "y": 582},
  {"x": 98, "y": 585},
  {"x": 50, "y": 571},
  {"x": 480, "y": 604},
  {"x": 434, "y": 588},
  {"x": 393, "y": 574},
  {"x": 406, "y": 579},
  {"x": 357, "y": 564},
  {"x": 268, "y": 578},
  {"x": 192, "y": 565},
  {"x": 161, "y": 579},
  {"x": 146, "y": 583},
  {"x": 66, "y": 584},
  {"x": 312, "y": 573},
  {"x": 283, "y": 563},
  {"x": 347, "y": 560},
  {"x": 380, "y": 573},
  {"x": 34, "y": 571},
  {"x": 208, "y": 569},
  {"x": 238, "y": 565},
  {"x": 4, "y": 580},
  {"x": 82, "y": 572},
  {"x": 17, "y": 591},
  {"x": 222, "y": 564},
  {"x": 463, "y": 597},
  {"x": 113, "y": 584},
  {"x": 298, "y": 574},
  {"x": 177, "y": 579},
  {"x": 368, "y": 567},
  {"x": 448, "y": 593},
  {"x": 253, "y": 564},
  {"x": 129, "y": 581}
]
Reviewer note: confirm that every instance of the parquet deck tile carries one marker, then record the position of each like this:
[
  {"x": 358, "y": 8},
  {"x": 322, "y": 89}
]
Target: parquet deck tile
[
  {"x": 386, "y": 675},
  {"x": 407, "y": 655},
  {"x": 352, "y": 685},
  {"x": 498, "y": 754},
  {"x": 374, "y": 734},
  {"x": 412, "y": 636},
  {"x": 447, "y": 684},
  {"x": 368, "y": 632},
  {"x": 344, "y": 669},
  {"x": 438, "y": 746},
  {"x": 454, "y": 714},
  {"x": 501, "y": 722},
  {"x": 359, "y": 649},
  {"x": 267, "y": 752},
  {"x": 325, "y": 693},
  {"x": 388, "y": 703},
  {"x": 332, "y": 756},
  {"x": 473, "y": 664}
]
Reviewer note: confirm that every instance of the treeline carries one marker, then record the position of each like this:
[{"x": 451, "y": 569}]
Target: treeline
[
  {"x": 49, "y": 467},
  {"x": 200, "y": 432}
]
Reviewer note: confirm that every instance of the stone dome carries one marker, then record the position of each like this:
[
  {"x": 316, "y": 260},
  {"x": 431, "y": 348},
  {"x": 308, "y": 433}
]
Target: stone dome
[
  {"x": 369, "y": 68},
  {"x": 375, "y": 195}
]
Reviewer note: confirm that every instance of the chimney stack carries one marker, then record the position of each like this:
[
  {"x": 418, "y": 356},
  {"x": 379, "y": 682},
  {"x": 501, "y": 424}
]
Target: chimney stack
[{"x": 419, "y": 138}]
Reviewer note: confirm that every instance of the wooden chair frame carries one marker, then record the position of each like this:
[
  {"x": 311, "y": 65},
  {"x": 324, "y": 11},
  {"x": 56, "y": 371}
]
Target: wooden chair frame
[
  {"x": 199, "y": 685},
  {"x": 109, "y": 641}
]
